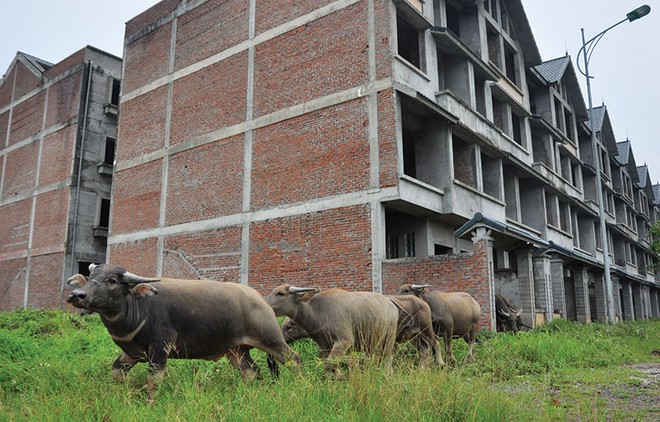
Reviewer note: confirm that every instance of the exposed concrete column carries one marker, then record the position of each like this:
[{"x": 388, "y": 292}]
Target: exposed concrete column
[
  {"x": 543, "y": 286},
  {"x": 601, "y": 297},
  {"x": 627, "y": 301},
  {"x": 582, "y": 308},
  {"x": 637, "y": 301},
  {"x": 558, "y": 290},
  {"x": 655, "y": 310},
  {"x": 646, "y": 302},
  {"x": 616, "y": 298},
  {"x": 526, "y": 286}
]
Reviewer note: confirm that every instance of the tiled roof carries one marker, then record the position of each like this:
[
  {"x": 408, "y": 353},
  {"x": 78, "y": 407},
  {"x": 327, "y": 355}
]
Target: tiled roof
[
  {"x": 599, "y": 116},
  {"x": 553, "y": 70},
  {"x": 624, "y": 152},
  {"x": 643, "y": 172},
  {"x": 40, "y": 64},
  {"x": 656, "y": 194}
]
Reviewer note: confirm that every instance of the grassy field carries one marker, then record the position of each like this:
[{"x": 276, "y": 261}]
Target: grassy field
[{"x": 56, "y": 366}]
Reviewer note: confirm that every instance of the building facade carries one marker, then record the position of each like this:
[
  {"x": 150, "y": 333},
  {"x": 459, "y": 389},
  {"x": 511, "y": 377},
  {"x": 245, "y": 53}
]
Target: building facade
[{"x": 58, "y": 126}]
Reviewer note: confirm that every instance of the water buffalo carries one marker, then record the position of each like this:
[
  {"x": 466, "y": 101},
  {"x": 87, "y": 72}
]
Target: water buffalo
[
  {"x": 414, "y": 325},
  {"x": 454, "y": 314},
  {"x": 508, "y": 318},
  {"x": 339, "y": 321},
  {"x": 152, "y": 320}
]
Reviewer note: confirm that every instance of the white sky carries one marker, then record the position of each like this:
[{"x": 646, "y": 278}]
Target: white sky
[{"x": 625, "y": 63}]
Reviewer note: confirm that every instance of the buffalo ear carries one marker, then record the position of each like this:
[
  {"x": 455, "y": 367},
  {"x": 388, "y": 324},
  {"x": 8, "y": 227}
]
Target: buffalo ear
[
  {"x": 77, "y": 280},
  {"x": 144, "y": 289}
]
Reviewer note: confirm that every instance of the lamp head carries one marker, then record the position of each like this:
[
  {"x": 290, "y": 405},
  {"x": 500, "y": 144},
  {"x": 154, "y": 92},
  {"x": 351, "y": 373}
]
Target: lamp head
[{"x": 638, "y": 13}]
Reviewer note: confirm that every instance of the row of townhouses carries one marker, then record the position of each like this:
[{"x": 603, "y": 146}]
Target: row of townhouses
[{"x": 351, "y": 143}]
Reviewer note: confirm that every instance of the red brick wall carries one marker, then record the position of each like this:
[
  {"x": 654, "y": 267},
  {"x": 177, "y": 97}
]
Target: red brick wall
[
  {"x": 137, "y": 204},
  {"x": 465, "y": 272},
  {"x": 325, "y": 56},
  {"x": 27, "y": 118},
  {"x": 58, "y": 147},
  {"x": 210, "y": 99},
  {"x": 21, "y": 169},
  {"x": 151, "y": 15},
  {"x": 26, "y": 80},
  {"x": 210, "y": 28},
  {"x": 45, "y": 273},
  {"x": 147, "y": 58},
  {"x": 206, "y": 182},
  {"x": 387, "y": 145},
  {"x": 142, "y": 124},
  {"x": 64, "y": 99},
  {"x": 50, "y": 219},
  {"x": 137, "y": 257},
  {"x": 270, "y": 14},
  {"x": 12, "y": 283},
  {"x": 4, "y": 124},
  {"x": 213, "y": 254},
  {"x": 6, "y": 88},
  {"x": 76, "y": 59},
  {"x": 323, "y": 249},
  {"x": 14, "y": 230},
  {"x": 319, "y": 154}
]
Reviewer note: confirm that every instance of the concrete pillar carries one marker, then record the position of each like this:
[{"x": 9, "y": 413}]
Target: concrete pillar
[
  {"x": 646, "y": 302},
  {"x": 637, "y": 300},
  {"x": 543, "y": 286},
  {"x": 655, "y": 310},
  {"x": 601, "y": 297},
  {"x": 582, "y": 308},
  {"x": 558, "y": 289},
  {"x": 616, "y": 298},
  {"x": 627, "y": 301},
  {"x": 526, "y": 286}
]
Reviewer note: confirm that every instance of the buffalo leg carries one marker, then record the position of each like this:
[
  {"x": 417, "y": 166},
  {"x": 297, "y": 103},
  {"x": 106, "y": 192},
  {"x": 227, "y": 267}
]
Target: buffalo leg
[
  {"x": 240, "y": 359},
  {"x": 157, "y": 363},
  {"x": 279, "y": 352},
  {"x": 339, "y": 349},
  {"x": 121, "y": 366}
]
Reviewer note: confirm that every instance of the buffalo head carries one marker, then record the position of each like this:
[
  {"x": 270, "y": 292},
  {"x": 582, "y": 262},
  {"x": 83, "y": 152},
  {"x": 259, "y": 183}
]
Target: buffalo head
[{"x": 106, "y": 288}]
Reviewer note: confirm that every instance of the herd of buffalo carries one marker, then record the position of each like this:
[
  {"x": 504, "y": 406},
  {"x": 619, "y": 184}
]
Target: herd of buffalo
[{"x": 153, "y": 319}]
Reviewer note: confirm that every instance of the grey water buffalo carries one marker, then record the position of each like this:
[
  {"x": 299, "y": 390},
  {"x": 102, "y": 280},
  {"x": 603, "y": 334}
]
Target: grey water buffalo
[
  {"x": 340, "y": 321},
  {"x": 454, "y": 314},
  {"x": 414, "y": 325},
  {"x": 507, "y": 317},
  {"x": 152, "y": 320}
]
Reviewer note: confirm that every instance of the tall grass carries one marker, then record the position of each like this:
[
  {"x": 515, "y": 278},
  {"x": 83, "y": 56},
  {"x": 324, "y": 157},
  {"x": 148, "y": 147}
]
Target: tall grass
[{"x": 56, "y": 366}]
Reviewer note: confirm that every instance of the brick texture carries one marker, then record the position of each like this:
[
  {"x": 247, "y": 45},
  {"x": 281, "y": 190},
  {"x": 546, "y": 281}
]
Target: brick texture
[
  {"x": 387, "y": 144},
  {"x": 50, "y": 218},
  {"x": 137, "y": 257},
  {"x": 325, "y": 56},
  {"x": 206, "y": 182},
  {"x": 21, "y": 170},
  {"x": 210, "y": 28},
  {"x": 318, "y": 154},
  {"x": 150, "y": 16},
  {"x": 270, "y": 14},
  {"x": 4, "y": 124},
  {"x": 6, "y": 89},
  {"x": 324, "y": 249},
  {"x": 466, "y": 272},
  {"x": 64, "y": 99},
  {"x": 45, "y": 279},
  {"x": 212, "y": 255},
  {"x": 58, "y": 148},
  {"x": 137, "y": 206},
  {"x": 210, "y": 99},
  {"x": 142, "y": 124},
  {"x": 27, "y": 118},
  {"x": 12, "y": 284},
  {"x": 147, "y": 58},
  {"x": 26, "y": 80}
]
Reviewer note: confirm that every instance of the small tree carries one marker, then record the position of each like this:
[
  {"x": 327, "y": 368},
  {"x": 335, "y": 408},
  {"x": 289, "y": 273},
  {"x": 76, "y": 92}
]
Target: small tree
[{"x": 655, "y": 243}]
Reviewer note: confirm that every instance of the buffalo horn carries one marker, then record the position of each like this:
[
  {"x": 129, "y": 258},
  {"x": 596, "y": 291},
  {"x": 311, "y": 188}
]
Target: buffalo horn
[
  {"x": 91, "y": 267},
  {"x": 133, "y": 278},
  {"x": 294, "y": 289},
  {"x": 420, "y": 286},
  {"x": 504, "y": 313}
]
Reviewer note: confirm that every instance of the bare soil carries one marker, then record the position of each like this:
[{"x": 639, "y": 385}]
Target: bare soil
[{"x": 643, "y": 395}]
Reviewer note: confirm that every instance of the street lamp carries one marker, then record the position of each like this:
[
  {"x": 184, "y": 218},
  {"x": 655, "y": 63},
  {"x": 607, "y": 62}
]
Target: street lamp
[{"x": 586, "y": 50}]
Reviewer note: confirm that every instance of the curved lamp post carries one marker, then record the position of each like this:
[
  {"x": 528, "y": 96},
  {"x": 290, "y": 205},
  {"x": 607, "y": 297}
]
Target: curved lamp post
[{"x": 586, "y": 51}]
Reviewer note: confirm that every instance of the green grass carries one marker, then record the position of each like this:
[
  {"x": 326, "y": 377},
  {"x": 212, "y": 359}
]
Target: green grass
[{"x": 55, "y": 365}]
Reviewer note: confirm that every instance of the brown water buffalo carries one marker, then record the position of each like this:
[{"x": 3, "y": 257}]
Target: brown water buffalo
[
  {"x": 454, "y": 314},
  {"x": 340, "y": 321},
  {"x": 508, "y": 318},
  {"x": 152, "y": 320},
  {"x": 414, "y": 325}
]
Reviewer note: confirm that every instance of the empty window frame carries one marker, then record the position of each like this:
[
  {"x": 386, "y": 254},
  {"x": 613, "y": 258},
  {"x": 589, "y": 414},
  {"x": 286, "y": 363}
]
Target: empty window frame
[
  {"x": 408, "y": 42},
  {"x": 464, "y": 161},
  {"x": 114, "y": 88},
  {"x": 392, "y": 246},
  {"x": 103, "y": 214},
  {"x": 109, "y": 151},
  {"x": 410, "y": 244}
]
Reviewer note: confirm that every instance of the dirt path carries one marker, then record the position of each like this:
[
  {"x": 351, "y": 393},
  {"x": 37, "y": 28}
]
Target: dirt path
[{"x": 644, "y": 396}]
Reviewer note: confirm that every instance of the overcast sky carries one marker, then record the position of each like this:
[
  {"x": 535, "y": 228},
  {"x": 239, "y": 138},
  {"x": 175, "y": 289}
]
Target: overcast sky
[{"x": 625, "y": 63}]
